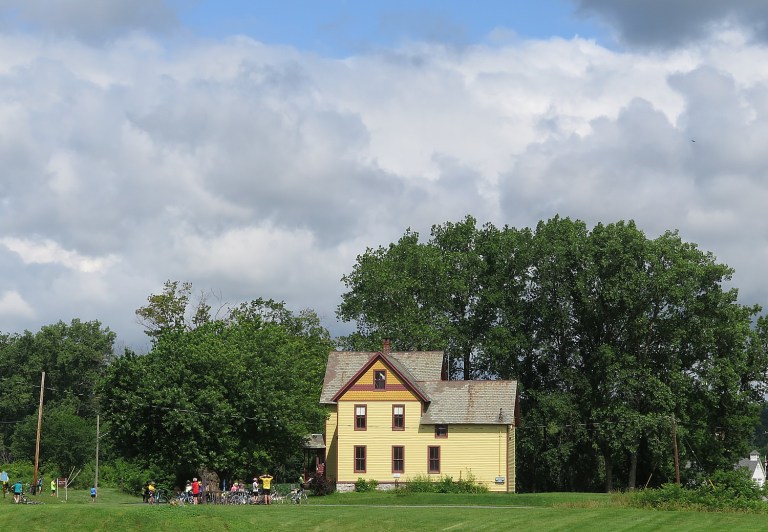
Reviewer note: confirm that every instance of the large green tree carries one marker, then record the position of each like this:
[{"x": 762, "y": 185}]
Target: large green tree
[
  {"x": 609, "y": 333},
  {"x": 236, "y": 394},
  {"x": 73, "y": 356},
  {"x": 67, "y": 440},
  {"x": 432, "y": 295}
]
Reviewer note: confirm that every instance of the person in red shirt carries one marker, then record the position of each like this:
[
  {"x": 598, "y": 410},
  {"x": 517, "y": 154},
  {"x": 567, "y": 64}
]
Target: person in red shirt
[{"x": 195, "y": 491}]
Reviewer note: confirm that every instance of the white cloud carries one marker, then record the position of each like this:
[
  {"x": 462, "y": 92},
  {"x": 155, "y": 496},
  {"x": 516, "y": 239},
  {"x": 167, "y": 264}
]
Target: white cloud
[
  {"x": 49, "y": 252},
  {"x": 12, "y": 305},
  {"x": 262, "y": 172}
]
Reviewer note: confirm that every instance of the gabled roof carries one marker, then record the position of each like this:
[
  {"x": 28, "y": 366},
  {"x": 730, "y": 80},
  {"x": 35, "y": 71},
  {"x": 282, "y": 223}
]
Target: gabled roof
[
  {"x": 471, "y": 402},
  {"x": 401, "y": 371},
  {"x": 751, "y": 465},
  {"x": 344, "y": 365},
  {"x": 447, "y": 402}
]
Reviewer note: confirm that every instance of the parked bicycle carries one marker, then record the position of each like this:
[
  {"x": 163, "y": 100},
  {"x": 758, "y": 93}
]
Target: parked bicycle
[
  {"x": 299, "y": 495},
  {"x": 278, "y": 496},
  {"x": 183, "y": 498},
  {"x": 25, "y": 499}
]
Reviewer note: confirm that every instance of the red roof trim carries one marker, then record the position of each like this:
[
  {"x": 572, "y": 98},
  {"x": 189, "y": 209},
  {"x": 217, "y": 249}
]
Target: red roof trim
[{"x": 378, "y": 356}]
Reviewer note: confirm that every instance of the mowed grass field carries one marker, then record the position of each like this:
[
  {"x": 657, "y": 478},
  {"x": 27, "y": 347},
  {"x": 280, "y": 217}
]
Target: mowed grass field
[{"x": 366, "y": 511}]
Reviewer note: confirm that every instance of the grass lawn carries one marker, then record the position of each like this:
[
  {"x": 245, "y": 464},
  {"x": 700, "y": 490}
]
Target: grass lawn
[{"x": 366, "y": 511}]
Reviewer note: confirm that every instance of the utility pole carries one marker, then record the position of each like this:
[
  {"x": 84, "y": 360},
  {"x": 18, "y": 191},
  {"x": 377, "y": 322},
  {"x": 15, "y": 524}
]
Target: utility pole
[
  {"x": 96, "y": 481},
  {"x": 674, "y": 446},
  {"x": 39, "y": 426}
]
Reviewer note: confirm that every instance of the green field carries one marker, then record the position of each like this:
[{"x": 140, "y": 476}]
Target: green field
[{"x": 366, "y": 511}]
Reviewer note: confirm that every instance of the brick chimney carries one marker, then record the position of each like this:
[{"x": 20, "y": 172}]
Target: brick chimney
[{"x": 385, "y": 346}]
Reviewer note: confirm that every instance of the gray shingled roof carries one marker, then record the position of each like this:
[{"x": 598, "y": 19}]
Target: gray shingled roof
[
  {"x": 450, "y": 402},
  {"x": 470, "y": 402},
  {"x": 751, "y": 465},
  {"x": 343, "y": 365}
]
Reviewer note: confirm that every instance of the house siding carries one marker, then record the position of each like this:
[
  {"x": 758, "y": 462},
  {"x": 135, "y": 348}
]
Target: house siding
[
  {"x": 363, "y": 390},
  {"x": 378, "y": 439},
  {"x": 511, "y": 464},
  {"x": 331, "y": 443},
  {"x": 486, "y": 444},
  {"x": 478, "y": 444}
]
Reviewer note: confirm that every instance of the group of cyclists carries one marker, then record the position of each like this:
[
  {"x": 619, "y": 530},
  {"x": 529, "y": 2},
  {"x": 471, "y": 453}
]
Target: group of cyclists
[
  {"x": 194, "y": 492},
  {"x": 17, "y": 488}
]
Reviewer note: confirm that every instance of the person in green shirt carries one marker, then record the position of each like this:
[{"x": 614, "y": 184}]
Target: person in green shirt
[{"x": 53, "y": 487}]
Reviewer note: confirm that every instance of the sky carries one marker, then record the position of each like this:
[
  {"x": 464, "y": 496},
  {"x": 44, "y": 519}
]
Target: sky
[{"x": 255, "y": 149}]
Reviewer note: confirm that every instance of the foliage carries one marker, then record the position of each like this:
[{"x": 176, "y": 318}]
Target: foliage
[
  {"x": 362, "y": 485},
  {"x": 427, "y": 296},
  {"x": 609, "y": 334},
  {"x": 322, "y": 485},
  {"x": 445, "y": 484},
  {"x": 67, "y": 441},
  {"x": 235, "y": 395},
  {"x": 20, "y": 469},
  {"x": 73, "y": 356},
  {"x": 172, "y": 310},
  {"x": 418, "y": 484},
  {"x": 724, "y": 491}
]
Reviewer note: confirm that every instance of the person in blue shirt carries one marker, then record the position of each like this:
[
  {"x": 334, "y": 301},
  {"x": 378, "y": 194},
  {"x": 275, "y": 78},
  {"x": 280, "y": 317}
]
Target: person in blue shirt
[
  {"x": 93, "y": 494},
  {"x": 17, "y": 491}
]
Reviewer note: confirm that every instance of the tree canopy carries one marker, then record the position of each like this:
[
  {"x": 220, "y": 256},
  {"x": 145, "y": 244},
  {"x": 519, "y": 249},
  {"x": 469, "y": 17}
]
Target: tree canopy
[
  {"x": 74, "y": 357},
  {"x": 609, "y": 334},
  {"x": 235, "y": 395}
]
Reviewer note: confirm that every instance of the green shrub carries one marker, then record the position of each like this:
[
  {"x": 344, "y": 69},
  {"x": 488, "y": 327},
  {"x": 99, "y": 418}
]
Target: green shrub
[
  {"x": 130, "y": 476},
  {"x": 723, "y": 491},
  {"x": 20, "y": 470},
  {"x": 363, "y": 485},
  {"x": 418, "y": 484},
  {"x": 470, "y": 485},
  {"x": 321, "y": 485},
  {"x": 445, "y": 484}
]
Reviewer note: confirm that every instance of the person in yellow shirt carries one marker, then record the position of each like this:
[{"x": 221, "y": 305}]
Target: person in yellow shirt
[
  {"x": 152, "y": 489},
  {"x": 266, "y": 486},
  {"x": 53, "y": 487}
]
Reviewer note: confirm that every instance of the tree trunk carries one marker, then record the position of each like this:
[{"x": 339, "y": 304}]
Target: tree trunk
[{"x": 631, "y": 483}]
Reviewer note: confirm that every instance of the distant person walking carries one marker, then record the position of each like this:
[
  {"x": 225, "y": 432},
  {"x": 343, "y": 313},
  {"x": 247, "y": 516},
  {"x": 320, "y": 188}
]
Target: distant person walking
[
  {"x": 53, "y": 487},
  {"x": 93, "y": 494}
]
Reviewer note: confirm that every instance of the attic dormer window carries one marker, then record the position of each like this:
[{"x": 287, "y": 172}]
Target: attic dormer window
[{"x": 379, "y": 379}]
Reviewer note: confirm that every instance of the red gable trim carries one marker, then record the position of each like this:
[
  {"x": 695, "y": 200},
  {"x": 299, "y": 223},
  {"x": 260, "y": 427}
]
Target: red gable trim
[{"x": 378, "y": 356}]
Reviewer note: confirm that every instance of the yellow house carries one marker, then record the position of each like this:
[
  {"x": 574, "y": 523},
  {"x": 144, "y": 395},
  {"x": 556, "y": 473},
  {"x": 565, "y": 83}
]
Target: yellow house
[{"x": 392, "y": 417}]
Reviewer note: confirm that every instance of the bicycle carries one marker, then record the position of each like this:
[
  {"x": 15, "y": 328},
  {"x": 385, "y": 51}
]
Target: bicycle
[
  {"x": 277, "y": 496},
  {"x": 24, "y": 499},
  {"x": 299, "y": 495},
  {"x": 182, "y": 499}
]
